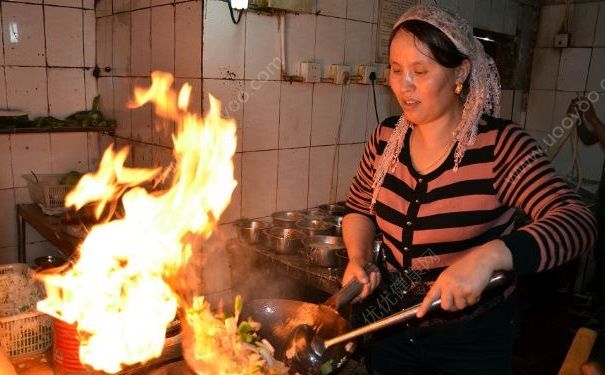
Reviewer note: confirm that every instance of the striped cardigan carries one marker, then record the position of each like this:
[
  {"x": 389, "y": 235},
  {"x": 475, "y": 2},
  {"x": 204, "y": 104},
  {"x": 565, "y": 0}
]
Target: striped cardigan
[{"x": 430, "y": 221}]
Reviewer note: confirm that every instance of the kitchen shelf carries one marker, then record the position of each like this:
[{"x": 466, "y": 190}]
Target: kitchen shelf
[{"x": 106, "y": 129}]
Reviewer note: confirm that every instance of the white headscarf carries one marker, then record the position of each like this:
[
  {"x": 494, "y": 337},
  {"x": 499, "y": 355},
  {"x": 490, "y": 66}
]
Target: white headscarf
[{"x": 483, "y": 95}]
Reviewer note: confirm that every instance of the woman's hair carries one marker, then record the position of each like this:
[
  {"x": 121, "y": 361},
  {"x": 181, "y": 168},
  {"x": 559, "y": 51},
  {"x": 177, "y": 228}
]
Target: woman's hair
[{"x": 442, "y": 48}]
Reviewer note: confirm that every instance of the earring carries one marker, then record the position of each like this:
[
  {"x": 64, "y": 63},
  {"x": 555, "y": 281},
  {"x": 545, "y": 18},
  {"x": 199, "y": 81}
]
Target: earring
[{"x": 458, "y": 89}]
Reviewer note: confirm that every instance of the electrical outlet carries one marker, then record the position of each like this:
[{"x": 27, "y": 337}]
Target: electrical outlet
[
  {"x": 561, "y": 40},
  {"x": 364, "y": 72},
  {"x": 310, "y": 72},
  {"x": 340, "y": 73},
  {"x": 386, "y": 73}
]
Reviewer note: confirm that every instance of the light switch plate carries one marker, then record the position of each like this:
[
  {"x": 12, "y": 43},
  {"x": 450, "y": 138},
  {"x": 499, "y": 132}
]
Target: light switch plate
[{"x": 310, "y": 72}]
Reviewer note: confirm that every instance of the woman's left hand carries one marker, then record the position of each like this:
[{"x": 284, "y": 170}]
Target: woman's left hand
[{"x": 461, "y": 284}]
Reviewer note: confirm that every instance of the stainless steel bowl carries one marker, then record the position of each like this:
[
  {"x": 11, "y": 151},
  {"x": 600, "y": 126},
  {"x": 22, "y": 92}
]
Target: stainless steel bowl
[
  {"x": 336, "y": 221},
  {"x": 284, "y": 240},
  {"x": 322, "y": 250},
  {"x": 251, "y": 231},
  {"x": 49, "y": 261},
  {"x": 334, "y": 209},
  {"x": 314, "y": 213},
  {"x": 286, "y": 219},
  {"x": 314, "y": 227}
]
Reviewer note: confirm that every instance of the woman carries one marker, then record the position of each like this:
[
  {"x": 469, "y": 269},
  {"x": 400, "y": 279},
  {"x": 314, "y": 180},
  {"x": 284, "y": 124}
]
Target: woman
[{"x": 441, "y": 183}]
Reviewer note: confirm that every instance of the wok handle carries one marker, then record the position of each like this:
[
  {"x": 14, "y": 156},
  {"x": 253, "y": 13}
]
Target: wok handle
[
  {"x": 497, "y": 279},
  {"x": 351, "y": 290}
]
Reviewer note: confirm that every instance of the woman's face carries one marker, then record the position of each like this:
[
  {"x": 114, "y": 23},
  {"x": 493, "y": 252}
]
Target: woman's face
[{"x": 423, "y": 87}]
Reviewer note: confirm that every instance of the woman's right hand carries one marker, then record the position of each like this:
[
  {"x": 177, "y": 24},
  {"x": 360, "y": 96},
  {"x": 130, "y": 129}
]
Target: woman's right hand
[{"x": 369, "y": 282}]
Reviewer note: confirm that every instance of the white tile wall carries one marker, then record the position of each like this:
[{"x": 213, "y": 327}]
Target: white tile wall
[
  {"x": 336, "y": 8},
  {"x": 141, "y": 117},
  {"x": 295, "y": 115},
  {"x": 358, "y": 39},
  {"x": 322, "y": 175},
  {"x": 6, "y": 169},
  {"x": 262, "y": 48},
  {"x": 230, "y": 93},
  {"x": 67, "y": 153},
  {"x": 545, "y": 68},
  {"x": 195, "y": 98},
  {"x": 551, "y": 20},
  {"x": 259, "y": 183},
  {"x": 26, "y": 90},
  {"x": 140, "y": 47},
  {"x": 89, "y": 31},
  {"x": 466, "y": 9},
  {"x": 65, "y": 3},
  {"x": 188, "y": 44},
  {"x": 104, "y": 8},
  {"x": 104, "y": 34},
  {"x": 234, "y": 210},
  {"x": 596, "y": 75},
  {"x": 325, "y": 114},
  {"x": 7, "y": 219},
  {"x": 3, "y": 103},
  {"x": 361, "y": 10},
  {"x": 540, "y": 110},
  {"x": 383, "y": 101},
  {"x": 66, "y": 91},
  {"x": 30, "y": 152},
  {"x": 142, "y": 155},
  {"x": 23, "y": 34},
  {"x": 506, "y": 104},
  {"x": 599, "y": 38},
  {"x": 348, "y": 159},
  {"x": 329, "y": 42},
  {"x": 64, "y": 36},
  {"x": 355, "y": 116},
  {"x": 573, "y": 70},
  {"x": 559, "y": 115},
  {"x": 122, "y": 96},
  {"x": 293, "y": 184},
  {"x": 261, "y": 115},
  {"x": 583, "y": 24},
  {"x": 139, "y": 4},
  {"x": 162, "y": 38},
  {"x": 219, "y": 31},
  {"x": 300, "y": 42},
  {"x": 121, "y": 44}
]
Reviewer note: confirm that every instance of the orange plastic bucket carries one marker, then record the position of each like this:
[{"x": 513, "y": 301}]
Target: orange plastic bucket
[{"x": 66, "y": 347}]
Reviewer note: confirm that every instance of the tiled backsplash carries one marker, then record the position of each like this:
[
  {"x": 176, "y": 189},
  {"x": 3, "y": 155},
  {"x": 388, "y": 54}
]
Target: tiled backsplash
[
  {"x": 560, "y": 74},
  {"x": 45, "y": 70},
  {"x": 282, "y": 126}
]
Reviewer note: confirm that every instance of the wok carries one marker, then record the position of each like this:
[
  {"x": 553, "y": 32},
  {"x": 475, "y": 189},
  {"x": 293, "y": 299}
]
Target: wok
[{"x": 279, "y": 317}]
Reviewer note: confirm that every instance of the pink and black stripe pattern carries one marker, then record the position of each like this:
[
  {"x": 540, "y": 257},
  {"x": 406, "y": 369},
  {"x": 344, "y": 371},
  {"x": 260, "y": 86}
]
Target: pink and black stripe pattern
[{"x": 430, "y": 221}]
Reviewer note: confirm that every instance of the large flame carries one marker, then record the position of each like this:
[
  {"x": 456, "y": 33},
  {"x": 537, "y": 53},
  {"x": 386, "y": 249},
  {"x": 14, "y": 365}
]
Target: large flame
[{"x": 118, "y": 291}]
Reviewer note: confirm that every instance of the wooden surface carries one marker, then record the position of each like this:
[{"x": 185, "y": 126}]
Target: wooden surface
[
  {"x": 49, "y": 227},
  {"x": 579, "y": 351}
]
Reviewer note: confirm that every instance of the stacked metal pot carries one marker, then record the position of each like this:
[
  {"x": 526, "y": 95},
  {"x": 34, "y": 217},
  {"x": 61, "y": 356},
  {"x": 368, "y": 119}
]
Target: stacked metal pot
[{"x": 315, "y": 233}]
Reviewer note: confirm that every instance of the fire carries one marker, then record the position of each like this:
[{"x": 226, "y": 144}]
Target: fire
[{"x": 118, "y": 291}]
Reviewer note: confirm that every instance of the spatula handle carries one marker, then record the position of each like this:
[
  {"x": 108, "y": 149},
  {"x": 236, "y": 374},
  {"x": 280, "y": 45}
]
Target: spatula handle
[{"x": 351, "y": 290}]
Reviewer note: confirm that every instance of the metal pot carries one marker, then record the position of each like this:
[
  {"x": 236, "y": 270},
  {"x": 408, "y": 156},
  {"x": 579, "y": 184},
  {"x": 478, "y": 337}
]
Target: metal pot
[
  {"x": 286, "y": 219},
  {"x": 313, "y": 227},
  {"x": 322, "y": 250},
  {"x": 333, "y": 209},
  {"x": 337, "y": 222},
  {"x": 284, "y": 240},
  {"x": 251, "y": 231}
]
